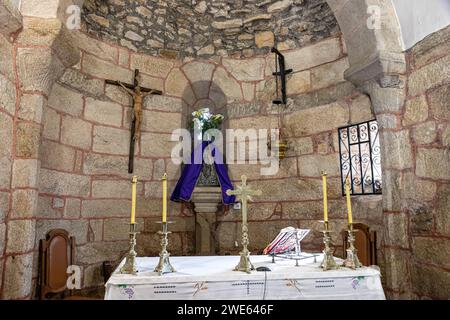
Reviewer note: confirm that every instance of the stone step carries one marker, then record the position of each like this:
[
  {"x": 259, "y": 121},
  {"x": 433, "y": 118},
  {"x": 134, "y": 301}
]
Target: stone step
[
  {"x": 207, "y": 194},
  {"x": 206, "y": 198},
  {"x": 207, "y": 190},
  {"x": 206, "y": 204},
  {"x": 206, "y": 209}
]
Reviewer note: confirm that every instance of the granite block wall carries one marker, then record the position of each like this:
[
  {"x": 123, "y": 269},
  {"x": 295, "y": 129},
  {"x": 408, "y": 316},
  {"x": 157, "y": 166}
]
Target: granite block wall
[{"x": 84, "y": 186}]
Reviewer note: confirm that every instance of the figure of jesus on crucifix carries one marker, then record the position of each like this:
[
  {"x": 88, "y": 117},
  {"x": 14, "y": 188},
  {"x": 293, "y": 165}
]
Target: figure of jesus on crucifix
[
  {"x": 138, "y": 100},
  {"x": 138, "y": 94}
]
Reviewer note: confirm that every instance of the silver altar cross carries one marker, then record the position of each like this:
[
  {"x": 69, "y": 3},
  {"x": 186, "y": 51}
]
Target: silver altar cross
[{"x": 243, "y": 194}]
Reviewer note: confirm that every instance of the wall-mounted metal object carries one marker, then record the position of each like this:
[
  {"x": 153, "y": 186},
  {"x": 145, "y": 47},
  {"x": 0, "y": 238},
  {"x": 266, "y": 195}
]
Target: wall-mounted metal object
[
  {"x": 360, "y": 158},
  {"x": 280, "y": 72},
  {"x": 281, "y": 145}
]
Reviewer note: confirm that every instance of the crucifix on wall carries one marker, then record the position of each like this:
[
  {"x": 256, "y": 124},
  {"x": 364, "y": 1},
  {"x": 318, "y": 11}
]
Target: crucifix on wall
[{"x": 138, "y": 94}]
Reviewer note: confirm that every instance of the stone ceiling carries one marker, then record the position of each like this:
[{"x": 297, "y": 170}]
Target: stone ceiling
[{"x": 183, "y": 28}]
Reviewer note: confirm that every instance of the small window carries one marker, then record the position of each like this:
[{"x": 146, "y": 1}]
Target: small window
[{"x": 359, "y": 149}]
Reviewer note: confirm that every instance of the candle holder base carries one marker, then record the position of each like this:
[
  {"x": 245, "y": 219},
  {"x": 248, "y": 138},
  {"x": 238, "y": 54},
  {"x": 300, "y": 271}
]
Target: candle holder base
[
  {"x": 328, "y": 262},
  {"x": 164, "y": 265},
  {"x": 352, "y": 260},
  {"x": 244, "y": 264},
  {"x": 130, "y": 266}
]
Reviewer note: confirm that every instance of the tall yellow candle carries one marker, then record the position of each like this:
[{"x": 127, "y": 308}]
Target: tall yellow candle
[
  {"x": 325, "y": 204},
  {"x": 133, "y": 199},
  {"x": 349, "y": 203},
  {"x": 164, "y": 213}
]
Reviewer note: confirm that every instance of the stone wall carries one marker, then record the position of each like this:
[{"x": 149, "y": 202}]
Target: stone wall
[
  {"x": 64, "y": 162},
  {"x": 7, "y": 111},
  {"x": 84, "y": 182},
  {"x": 84, "y": 186},
  {"x": 207, "y": 28},
  {"x": 425, "y": 181},
  {"x": 321, "y": 102},
  {"x": 31, "y": 65}
]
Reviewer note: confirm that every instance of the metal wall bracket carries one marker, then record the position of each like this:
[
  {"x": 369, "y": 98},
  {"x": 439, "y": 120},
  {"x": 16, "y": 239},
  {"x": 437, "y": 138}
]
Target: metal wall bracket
[{"x": 280, "y": 71}]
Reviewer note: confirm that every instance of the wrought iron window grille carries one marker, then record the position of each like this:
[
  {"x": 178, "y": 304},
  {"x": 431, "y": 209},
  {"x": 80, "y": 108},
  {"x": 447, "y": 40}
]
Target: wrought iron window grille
[{"x": 359, "y": 154}]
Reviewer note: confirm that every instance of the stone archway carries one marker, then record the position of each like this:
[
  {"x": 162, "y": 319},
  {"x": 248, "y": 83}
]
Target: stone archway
[
  {"x": 43, "y": 49},
  {"x": 201, "y": 91},
  {"x": 373, "y": 46},
  {"x": 378, "y": 68}
]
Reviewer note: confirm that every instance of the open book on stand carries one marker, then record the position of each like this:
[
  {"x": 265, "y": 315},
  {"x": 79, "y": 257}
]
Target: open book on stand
[
  {"x": 286, "y": 240},
  {"x": 287, "y": 245}
]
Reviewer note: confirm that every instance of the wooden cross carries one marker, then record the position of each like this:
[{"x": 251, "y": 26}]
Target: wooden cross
[
  {"x": 138, "y": 94},
  {"x": 243, "y": 194}
]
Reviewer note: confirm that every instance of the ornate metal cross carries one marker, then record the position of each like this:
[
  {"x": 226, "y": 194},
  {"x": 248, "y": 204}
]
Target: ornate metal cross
[
  {"x": 138, "y": 94},
  {"x": 243, "y": 194}
]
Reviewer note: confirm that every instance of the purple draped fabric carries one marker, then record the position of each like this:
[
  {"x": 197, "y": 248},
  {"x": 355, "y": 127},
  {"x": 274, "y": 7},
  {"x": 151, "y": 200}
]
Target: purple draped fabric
[{"x": 186, "y": 184}]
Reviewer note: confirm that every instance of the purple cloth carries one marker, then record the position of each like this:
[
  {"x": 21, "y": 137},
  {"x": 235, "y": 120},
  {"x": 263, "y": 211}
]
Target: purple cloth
[{"x": 186, "y": 184}]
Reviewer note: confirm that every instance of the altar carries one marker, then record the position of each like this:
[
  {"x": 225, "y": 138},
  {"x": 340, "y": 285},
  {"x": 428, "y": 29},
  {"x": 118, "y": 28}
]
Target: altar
[{"x": 212, "y": 278}]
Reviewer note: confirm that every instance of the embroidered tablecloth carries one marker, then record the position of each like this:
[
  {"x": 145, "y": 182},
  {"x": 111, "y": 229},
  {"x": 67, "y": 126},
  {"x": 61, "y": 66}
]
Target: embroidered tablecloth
[{"x": 212, "y": 277}]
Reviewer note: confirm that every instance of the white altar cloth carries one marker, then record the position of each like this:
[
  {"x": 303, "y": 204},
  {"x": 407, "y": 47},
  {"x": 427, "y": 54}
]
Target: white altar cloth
[{"x": 211, "y": 277}]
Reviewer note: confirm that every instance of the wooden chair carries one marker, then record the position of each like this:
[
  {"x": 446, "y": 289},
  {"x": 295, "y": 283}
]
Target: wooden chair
[
  {"x": 365, "y": 243},
  {"x": 56, "y": 253},
  {"x": 109, "y": 267}
]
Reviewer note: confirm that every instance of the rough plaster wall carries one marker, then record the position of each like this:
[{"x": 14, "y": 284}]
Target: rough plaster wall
[{"x": 420, "y": 18}]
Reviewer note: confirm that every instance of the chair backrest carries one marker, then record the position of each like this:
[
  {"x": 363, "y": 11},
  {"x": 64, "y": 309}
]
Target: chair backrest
[
  {"x": 57, "y": 252},
  {"x": 365, "y": 243}
]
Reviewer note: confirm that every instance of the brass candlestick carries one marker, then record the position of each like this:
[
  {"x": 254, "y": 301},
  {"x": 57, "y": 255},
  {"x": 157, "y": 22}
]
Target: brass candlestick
[
  {"x": 244, "y": 263},
  {"x": 130, "y": 266},
  {"x": 164, "y": 265},
  {"x": 244, "y": 194},
  {"x": 352, "y": 260},
  {"x": 328, "y": 262}
]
